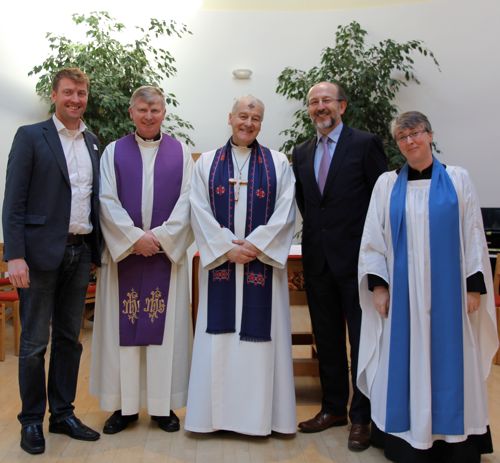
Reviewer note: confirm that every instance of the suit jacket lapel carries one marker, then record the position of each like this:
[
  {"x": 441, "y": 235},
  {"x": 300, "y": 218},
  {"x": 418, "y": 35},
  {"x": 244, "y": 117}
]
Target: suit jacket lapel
[
  {"x": 52, "y": 137},
  {"x": 338, "y": 157},
  {"x": 94, "y": 157},
  {"x": 310, "y": 152}
]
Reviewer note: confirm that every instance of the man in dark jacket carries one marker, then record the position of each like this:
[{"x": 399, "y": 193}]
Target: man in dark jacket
[
  {"x": 335, "y": 173},
  {"x": 51, "y": 233}
]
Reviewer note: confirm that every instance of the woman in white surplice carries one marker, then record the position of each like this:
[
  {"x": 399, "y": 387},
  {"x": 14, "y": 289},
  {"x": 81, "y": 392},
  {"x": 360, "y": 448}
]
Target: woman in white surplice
[
  {"x": 421, "y": 415},
  {"x": 236, "y": 384}
]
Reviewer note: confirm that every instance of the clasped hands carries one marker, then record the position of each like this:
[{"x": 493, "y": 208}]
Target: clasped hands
[
  {"x": 381, "y": 301},
  {"x": 243, "y": 252},
  {"x": 147, "y": 245}
]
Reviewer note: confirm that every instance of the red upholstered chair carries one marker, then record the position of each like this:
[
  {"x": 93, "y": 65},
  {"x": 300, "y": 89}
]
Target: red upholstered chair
[
  {"x": 90, "y": 296},
  {"x": 9, "y": 309},
  {"x": 496, "y": 291}
]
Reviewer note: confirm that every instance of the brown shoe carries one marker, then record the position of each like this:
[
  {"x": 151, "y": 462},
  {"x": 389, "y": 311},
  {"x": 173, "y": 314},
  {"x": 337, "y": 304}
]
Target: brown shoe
[
  {"x": 323, "y": 420},
  {"x": 359, "y": 437}
]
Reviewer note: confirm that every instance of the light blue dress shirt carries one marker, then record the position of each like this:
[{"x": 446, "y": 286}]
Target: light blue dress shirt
[{"x": 334, "y": 136}]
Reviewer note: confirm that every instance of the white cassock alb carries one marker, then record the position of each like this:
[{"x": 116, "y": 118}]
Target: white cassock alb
[
  {"x": 479, "y": 328},
  {"x": 155, "y": 377},
  {"x": 246, "y": 387}
]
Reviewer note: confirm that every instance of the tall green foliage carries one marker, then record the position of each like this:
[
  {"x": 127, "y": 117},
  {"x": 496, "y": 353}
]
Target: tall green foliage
[
  {"x": 116, "y": 69},
  {"x": 371, "y": 76}
]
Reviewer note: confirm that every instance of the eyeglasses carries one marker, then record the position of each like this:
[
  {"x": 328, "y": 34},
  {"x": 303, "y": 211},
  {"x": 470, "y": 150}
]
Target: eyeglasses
[
  {"x": 412, "y": 136},
  {"x": 326, "y": 101}
]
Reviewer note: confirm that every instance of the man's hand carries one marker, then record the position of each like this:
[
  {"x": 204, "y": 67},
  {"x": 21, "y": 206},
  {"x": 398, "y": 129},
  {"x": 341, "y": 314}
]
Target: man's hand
[
  {"x": 243, "y": 252},
  {"x": 381, "y": 300},
  {"x": 19, "y": 273},
  {"x": 473, "y": 301},
  {"x": 147, "y": 245}
]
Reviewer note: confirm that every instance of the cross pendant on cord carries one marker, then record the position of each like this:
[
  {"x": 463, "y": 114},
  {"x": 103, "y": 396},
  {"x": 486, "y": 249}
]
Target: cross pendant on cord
[{"x": 237, "y": 183}]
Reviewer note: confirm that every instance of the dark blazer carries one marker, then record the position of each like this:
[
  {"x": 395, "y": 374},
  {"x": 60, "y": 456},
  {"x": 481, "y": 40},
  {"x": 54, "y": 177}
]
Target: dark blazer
[
  {"x": 37, "y": 201},
  {"x": 333, "y": 222}
]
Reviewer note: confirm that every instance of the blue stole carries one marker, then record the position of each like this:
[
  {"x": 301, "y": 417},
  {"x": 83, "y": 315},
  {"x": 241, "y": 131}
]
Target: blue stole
[
  {"x": 447, "y": 375},
  {"x": 258, "y": 277}
]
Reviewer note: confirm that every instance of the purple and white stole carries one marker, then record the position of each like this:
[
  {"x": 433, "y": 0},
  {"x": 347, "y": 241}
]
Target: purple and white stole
[
  {"x": 258, "y": 277},
  {"x": 144, "y": 281}
]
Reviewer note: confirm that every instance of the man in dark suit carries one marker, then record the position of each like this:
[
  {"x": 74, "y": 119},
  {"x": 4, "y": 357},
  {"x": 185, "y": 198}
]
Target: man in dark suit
[
  {"x": 51, "y": 233},
  {"x": 335, "y": 173}
]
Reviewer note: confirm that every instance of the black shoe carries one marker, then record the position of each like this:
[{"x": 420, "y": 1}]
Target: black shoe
[
  {"x": 167, "y": 423},
  {"x": 74, "y": 428},
  {"x": 32, "y": 440},
  {"x": 118, "y": 422}
]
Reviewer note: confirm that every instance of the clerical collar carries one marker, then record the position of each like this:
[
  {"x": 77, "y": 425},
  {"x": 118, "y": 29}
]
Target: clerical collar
[
  {"x": 414, "y": 174},
  {"x": 149, "y": 139},
  {"x": 234, "y": 145}
]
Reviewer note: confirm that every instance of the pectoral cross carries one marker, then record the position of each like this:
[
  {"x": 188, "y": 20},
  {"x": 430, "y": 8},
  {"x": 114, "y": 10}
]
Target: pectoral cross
[{"x": 237, "y": 183}]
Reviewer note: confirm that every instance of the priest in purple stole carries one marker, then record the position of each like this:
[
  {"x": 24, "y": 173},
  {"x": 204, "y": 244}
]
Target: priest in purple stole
[
  {"x": 142, "y": 338},
  {"x": 243, "y": 217}
]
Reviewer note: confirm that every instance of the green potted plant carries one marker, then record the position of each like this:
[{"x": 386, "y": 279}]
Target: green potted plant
[
  {"x": 371, "y": 76},
  {"x": 116, "y": 68}
]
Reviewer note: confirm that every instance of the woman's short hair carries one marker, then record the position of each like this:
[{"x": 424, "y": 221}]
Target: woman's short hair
[{"x": 410, "y": 120}]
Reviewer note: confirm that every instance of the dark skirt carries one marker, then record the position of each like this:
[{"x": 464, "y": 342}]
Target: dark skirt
[{"x": 398, "y": 450}]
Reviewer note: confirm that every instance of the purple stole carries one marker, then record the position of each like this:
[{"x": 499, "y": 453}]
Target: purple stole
[
  {"x": 144, "y": 281},
  {"x": 258, "y": 277}
]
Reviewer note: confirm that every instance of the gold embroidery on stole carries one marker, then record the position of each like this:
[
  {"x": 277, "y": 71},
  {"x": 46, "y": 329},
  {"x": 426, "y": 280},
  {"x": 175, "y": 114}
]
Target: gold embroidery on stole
[
  {"x": 155, "y": 305},
  {"x": 131, "y": 306}
]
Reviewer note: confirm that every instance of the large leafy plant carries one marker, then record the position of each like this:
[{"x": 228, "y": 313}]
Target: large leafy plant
[
  {"x": 371, "y": 76},
  {"x": 116, "y": 68}
]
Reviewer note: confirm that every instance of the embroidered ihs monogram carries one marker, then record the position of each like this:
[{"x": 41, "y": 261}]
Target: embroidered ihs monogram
[
  {"x": 155, "y": 305},
  {"x": 131, "y": 306}
]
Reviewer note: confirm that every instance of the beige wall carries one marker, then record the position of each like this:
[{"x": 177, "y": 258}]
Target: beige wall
[{"x": 462, "y": 101}]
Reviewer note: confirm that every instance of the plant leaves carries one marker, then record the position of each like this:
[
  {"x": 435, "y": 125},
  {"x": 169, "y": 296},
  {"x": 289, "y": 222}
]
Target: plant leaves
[
  {"x": 115, "y": 68},
  {"x": 370, "y": 74}
]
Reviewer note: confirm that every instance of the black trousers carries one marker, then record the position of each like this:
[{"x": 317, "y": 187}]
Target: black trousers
[
  {"x": 333, "y": 305},
  {"x": 52, "y": 306}
]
